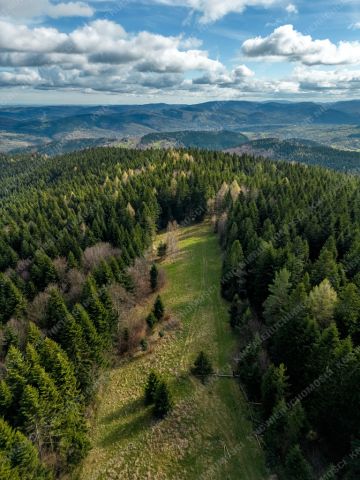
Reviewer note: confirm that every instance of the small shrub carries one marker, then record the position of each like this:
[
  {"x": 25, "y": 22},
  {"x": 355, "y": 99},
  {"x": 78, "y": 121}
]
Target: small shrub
[
  {"x": 151, "y": 320},
  {"x": 162, "y": 250},
  {"x": 202, "y": 366},
  {"x": 144, "y": 345}
]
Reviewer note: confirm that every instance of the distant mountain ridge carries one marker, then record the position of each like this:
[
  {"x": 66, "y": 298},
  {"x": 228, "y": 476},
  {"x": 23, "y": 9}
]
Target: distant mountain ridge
[
  {"x": 302, "y": 151},
  {"x": 157, "y": 117},
  {"x": 39, "y": 128}
]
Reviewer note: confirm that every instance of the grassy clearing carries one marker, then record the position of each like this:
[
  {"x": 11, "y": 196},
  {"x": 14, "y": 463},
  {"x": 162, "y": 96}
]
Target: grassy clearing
[{"x": 206, "y": 434}]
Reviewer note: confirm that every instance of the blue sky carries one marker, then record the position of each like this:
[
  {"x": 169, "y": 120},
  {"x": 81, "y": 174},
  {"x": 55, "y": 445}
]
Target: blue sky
[{"x": 178, "y": 51}]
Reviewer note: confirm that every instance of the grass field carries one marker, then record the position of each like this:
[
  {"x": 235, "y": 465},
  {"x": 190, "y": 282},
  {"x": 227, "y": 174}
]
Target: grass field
[{"x": 208, "y": 433}]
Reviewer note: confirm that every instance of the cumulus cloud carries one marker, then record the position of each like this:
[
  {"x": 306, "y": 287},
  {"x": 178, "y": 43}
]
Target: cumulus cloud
[
  {"x": 21, "y": 77},
  {"x": 213, "y": 10},
  {"x": 287, "y": 43},
  {"x": 330, "y": 80},
  {"x": 102, "y": 56},
  {"x": 101, "y": 41},
  {"x": 26, "y": 9},
  {"x": 99, "y": 56},
  {"x": 226, "y": 79}
]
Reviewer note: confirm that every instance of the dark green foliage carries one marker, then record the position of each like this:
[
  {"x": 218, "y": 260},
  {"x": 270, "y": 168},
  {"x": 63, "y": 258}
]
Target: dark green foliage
[
  {"x": 151, "y": 388},
  {"x": 202, "y": 366},
  {"x": 296, "y": 467},
  {"x": 353, "y": 470},
  {"x": 159, "y": 309},
  {"x": 284, "y": 428},
  {"x": 19, "y": 459},
  {"x": 42, "y": 271},
  {"x": 163, "y": 401},
  {"x": 12, "y": 302},
  {"x": 151, "y": 320},
  {"x": 196, "y": 139},
  {"x": 285, "y": 229},
  {"x": 144, "y": 344},
  {"x": 154, "y": 275},
  {"x": 239, "y": 312},
  {"x": 274, "y": 388},
  {"x": 233, "y": 278}
]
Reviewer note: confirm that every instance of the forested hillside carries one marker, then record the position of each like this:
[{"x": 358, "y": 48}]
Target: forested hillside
[
  {"x": 218, "y": 140},
  {"x": 71, "y": 230},
  {"x": 303, "y": 151}
]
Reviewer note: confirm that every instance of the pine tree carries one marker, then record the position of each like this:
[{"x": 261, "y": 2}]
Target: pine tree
[
  {"x": 277, "y": 303},
  {"x": 6, "y": 470},
  {"x": 92, "y": 339},
  {"x": 21, "y": 458},
  {"x": 163, "y": 401},
  {"x": 296, "y": 467},
  {"x": 12, "y": 301},
  {"x": 202, "y": 366},
  {"x": 32, "y": 416},
  {"x": 284, "y": 430},
  {"x": 154, "y": 275},
  {"x": 151, "y": 320},
  {"x": 6, "y": 398},
  {"x": 240, "y": 313},
  {"x": 93, "y": 305},
  {"x": 274, "y": 388},
  {"x": 42, "y": 271},
  {"x": 233, "y": 276},
  {"x": 159, "y": 309},
  {"x": 151, "y": 388}
]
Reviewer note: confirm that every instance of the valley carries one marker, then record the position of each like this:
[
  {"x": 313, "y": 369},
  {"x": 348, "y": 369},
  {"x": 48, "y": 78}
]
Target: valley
[{"x": 208, "y": 434}]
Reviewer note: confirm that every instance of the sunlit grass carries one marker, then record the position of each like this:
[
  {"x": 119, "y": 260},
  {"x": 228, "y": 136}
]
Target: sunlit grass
[{"x": 203, "y": 435}]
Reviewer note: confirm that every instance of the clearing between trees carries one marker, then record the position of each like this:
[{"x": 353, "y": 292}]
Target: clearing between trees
[{"x": 208, "y": 434}]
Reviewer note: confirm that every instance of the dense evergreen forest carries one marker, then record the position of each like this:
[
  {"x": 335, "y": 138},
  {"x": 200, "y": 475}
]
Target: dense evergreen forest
[{"x": 72, "y": 228}]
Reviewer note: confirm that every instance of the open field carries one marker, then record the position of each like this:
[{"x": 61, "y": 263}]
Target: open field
[{"x": 202, "y": 437}]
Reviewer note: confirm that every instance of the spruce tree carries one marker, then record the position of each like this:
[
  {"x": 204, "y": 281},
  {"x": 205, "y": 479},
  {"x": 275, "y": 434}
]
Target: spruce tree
[
  {"x": 296, "y": 467},
  {"x": 274, "y": 388},
  {"x": 163, "y": 401},
  {"x": 159, "y": 309},
  {"x": 151, "y": 388},
  {"x": 202, "y": 366},
  {"x": 151, "y": 320},
  {"x": 154, "y": 275}
]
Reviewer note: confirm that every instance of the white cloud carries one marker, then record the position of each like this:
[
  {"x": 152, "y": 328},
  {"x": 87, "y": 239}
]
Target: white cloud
[
  {"x": 101, "y": 56},
  {"x": 226, "y": 79},
  {"x": 21, "y": 77},
  {"x": 310, "y": 79},
  {"x": 26, "y": 9},
  {"x": 286, "y": 43},
  {"x": 213, "y": 10},
  {"x": 355, "y": 26},
  {"x": 291, "y": 8}
]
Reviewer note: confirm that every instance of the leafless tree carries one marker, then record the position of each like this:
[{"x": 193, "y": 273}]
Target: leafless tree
[{"x": 94, "y": 255}]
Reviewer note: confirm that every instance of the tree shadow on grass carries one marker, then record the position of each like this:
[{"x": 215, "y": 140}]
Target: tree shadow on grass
[
  {"x": 129, "y": 429},
  {"x": 124, "y": 411}
]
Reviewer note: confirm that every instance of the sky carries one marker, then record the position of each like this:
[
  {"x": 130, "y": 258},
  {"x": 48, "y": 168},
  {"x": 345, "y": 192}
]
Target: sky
[{"x": 178, "y": 51}]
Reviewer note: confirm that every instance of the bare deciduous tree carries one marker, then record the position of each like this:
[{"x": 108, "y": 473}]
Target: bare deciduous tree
[
  {"x": 94, "y": 255},
  {"x": 74, "y": 284}
]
